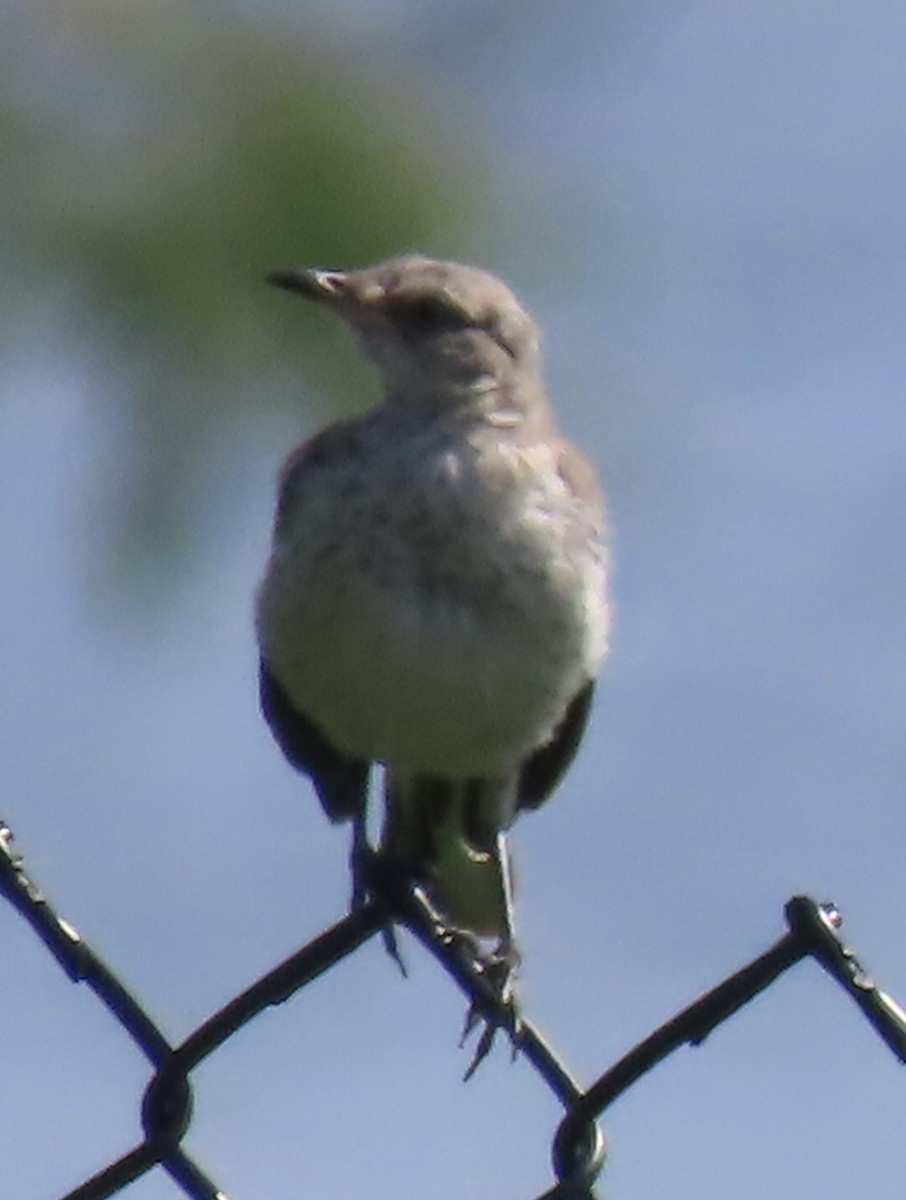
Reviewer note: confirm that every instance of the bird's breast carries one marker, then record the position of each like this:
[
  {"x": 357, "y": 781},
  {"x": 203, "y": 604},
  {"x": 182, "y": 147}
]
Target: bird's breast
[{"x": 435, "y": 606}]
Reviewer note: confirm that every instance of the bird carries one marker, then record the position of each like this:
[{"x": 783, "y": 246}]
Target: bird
[{"x": 434, "y": 606}]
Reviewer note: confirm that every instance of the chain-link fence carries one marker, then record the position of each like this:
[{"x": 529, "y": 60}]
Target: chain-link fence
[{"x": 579, "y": 1149}]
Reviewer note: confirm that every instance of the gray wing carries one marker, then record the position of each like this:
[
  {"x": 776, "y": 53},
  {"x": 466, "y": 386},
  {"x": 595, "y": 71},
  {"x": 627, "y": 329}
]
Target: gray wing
[
  {"x": 341, "y": 782},
  {"x": 542, "y": 772}
]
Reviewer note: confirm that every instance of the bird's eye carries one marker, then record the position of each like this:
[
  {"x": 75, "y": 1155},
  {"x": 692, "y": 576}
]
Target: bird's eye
[{"x": 430, "y": 314}]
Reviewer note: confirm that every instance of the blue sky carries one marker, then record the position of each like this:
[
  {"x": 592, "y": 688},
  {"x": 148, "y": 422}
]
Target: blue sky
[{"x": 703, "y": 205}]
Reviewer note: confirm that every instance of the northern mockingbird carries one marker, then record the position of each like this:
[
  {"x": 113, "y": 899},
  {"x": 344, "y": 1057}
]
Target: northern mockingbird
[{"x": 435, "y": 596}]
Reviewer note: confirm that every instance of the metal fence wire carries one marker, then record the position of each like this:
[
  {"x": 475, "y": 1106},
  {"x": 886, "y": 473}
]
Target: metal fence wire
[{"x": 579, "y": 1148}]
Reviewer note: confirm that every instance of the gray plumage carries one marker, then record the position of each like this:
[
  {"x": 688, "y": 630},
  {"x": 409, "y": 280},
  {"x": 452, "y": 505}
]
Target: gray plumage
[{"x": 435, "y": 597}]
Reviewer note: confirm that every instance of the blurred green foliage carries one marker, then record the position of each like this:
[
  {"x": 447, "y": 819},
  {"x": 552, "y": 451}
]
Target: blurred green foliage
[{"x": 157, "y": 158}]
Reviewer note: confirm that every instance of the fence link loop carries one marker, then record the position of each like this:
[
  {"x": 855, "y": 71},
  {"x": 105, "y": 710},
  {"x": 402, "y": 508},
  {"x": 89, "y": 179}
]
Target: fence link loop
[{"x": 578, "y": 1150}]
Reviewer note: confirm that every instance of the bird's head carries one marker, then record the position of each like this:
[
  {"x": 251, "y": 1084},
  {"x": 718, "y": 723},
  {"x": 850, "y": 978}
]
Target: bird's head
[{"x": 439, "y": 332}]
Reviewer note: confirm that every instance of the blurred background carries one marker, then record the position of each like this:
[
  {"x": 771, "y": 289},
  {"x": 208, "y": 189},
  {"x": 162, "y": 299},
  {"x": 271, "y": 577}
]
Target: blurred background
[{"x": 703, "y": 203}]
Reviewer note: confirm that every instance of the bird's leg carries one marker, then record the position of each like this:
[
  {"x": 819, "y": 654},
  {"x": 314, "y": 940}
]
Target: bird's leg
[
  {"x": 358, "y": 863},
  {"x": 500, "y": 968},
  {"x": 503, "y": 963},
  {"x": 359, "y": 850}
]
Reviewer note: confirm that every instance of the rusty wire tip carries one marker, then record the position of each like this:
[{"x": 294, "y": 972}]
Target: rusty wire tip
[
  {"x": 831, "y": 914},
  {"x": 816, "y": 927},
  {"x": 12, "y": 856}
]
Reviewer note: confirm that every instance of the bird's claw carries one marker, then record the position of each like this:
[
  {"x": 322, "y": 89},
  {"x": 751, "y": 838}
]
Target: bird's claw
[
  {"x": 499, "y": 971},
  {"x": 360, "y": 860},
  {"x": 391, "y": 945}
]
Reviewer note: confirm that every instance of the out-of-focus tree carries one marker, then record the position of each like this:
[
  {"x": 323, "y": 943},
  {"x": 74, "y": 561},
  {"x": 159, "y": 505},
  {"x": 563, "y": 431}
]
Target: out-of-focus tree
[{"x": 157, "y": 158}]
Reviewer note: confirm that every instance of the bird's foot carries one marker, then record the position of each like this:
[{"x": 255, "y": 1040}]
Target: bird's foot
[{"x": 499, "y": 970}]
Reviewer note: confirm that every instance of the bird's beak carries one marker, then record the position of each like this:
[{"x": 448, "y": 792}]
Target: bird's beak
[{"x": 314, "y": 284}]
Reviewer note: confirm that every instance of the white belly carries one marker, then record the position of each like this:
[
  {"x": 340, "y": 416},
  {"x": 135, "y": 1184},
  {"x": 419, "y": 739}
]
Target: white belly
[{"x": 444, "y": 633}]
